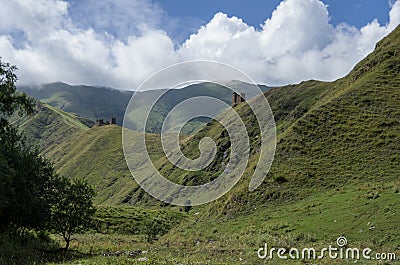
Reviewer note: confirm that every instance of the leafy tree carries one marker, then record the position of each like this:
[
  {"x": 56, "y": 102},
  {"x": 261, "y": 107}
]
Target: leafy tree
[
  {"x": 10, "y": 99},
  {"x": 28, "y": 178},
  {"x": 14, "y": 155},
  {"x": 31, "y": 194},
  {"x": 72, "y": 209}
]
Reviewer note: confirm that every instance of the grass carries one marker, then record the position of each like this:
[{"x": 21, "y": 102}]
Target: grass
[
  {"x": 96, "y": 155},
  {"x": 314, "y": 222},
  {"x": 50, "y": 127},
  {"x": 336, "y": 173},
  {"x": 121, "y": 229}
]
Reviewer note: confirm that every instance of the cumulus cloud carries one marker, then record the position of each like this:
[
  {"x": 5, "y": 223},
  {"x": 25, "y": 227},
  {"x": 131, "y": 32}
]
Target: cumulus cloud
[
  {"x": 120, "y": 18},
  {"x": 57, "y": 42},
  {"x": 295, "y": 44}
]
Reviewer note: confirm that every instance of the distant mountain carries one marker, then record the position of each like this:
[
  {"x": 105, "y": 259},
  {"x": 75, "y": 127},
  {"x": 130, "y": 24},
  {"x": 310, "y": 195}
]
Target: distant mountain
[
  {"x": 86, "y": 101},
  {"x": 103, "y": 103},
  {"x": 336, "y": 168}
]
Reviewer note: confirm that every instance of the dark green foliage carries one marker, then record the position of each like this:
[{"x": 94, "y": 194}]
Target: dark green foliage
[
  {"x": 72, "y": 208},
  {"x": 27, "y": 177},
  {"x": 10, "y": 99},
  {"x": 31, "y": 195},
  {"x": 24, "y": 174}
]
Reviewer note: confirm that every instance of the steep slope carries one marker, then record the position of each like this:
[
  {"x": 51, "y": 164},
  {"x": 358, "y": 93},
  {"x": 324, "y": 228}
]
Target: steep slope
[
  {"x": 49, "y": 127},
  {"x": 336, "y": 169},
  {"x": 96, "y": 155},
  {"x": 333, "y": 133}
]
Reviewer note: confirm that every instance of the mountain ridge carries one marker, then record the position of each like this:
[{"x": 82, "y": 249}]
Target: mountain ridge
[
  {"x": 95, "y": 102},
  {"x": 335, "y": 171}
]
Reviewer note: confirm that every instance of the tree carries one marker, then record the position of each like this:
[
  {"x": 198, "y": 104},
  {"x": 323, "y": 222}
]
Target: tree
[
  {"x": 29, "y": 177},
  {"x": 18, "y": 175},
  {"x": 10, "y": 99},
  {"x": 72, "y": 209},
  {"x": 32, "y": 195}
]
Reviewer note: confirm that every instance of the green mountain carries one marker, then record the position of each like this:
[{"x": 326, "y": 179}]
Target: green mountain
[
  {"x": 336, "y": 169},
  {"x": 78, "y": 149},
  {"x": 50, "y": 127},
  {"x": 335, "y": 173},
  {"x": 86, "y": 101},
  {"x": 103, "y": 103}
]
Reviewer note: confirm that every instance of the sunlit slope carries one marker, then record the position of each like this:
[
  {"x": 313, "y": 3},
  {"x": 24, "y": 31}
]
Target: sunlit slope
[
  {"x": 49, "y": 127},
  {"x": 336, "y": 169},
  {"x": 97, "y": 156},
  {"x": 79, "y": 150}
]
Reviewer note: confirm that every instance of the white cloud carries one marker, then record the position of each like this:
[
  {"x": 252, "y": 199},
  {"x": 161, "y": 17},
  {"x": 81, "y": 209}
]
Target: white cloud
[
  {"x": 35, "y": 18},
  {"x": 119, "y": 18},
  {"x": 295, "y": 44},
  {"x": 295, "y": 27},
  {"x": 141, "y": 56}
]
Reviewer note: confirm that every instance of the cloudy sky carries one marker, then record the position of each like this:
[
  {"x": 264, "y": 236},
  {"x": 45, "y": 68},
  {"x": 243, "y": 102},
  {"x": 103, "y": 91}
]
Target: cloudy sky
[{"x": 119, "y": 43}]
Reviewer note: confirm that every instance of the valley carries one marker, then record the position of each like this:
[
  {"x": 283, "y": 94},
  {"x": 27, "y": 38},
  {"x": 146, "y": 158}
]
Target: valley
[{"x": 335, "y": 173}]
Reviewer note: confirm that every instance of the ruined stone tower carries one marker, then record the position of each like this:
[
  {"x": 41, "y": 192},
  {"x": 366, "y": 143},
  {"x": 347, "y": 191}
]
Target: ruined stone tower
[
  {"x": 99, "y": 122},
  {"x": 236, "y": 98}
]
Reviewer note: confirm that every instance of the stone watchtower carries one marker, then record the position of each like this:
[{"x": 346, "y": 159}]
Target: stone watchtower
[
  {"x": 99, "y": 122},
  {"x": 236, "y": 98}
]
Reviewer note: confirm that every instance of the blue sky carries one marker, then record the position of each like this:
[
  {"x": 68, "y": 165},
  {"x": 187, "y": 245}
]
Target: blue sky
[
  {"x": 119, "y": 43},
  {"x": 255, "y": 12},
  {"x": 180, "y": 18}
]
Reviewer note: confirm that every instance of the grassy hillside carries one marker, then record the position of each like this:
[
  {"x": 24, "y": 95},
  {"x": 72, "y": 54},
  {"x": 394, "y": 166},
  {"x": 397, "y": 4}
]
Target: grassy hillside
[
  {"x": 335, "y": 173},
  {"x": 330, "y": 134},
  {"x": 96, "y": 155},
  {"x": 49, "y": 127},
  {"x": 336, "y": 169}
]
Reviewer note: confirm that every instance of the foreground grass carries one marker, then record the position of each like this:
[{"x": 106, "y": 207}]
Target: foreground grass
[{"x": 367, "y": 215}]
